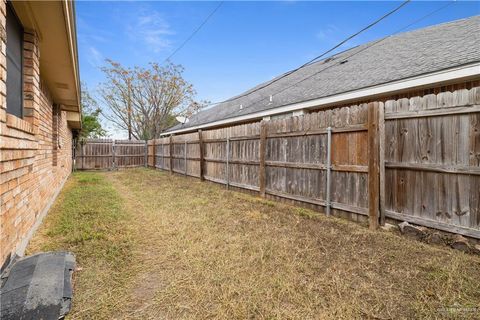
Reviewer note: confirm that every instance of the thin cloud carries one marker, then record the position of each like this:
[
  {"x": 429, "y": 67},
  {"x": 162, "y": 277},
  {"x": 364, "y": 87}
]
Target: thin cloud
[
  {"x": 328, "y": 33},
  {"x": 95, "y": 58},
  {"x": 88, "y": 33},
  {"x": 331, "y": 35},
  {"x": 151, "y": 29}
]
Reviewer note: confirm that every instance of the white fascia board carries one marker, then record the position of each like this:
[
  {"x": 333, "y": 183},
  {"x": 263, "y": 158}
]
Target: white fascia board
[
  {"x": 457, "y": 73},
  {"x": 69, "y": 12}
]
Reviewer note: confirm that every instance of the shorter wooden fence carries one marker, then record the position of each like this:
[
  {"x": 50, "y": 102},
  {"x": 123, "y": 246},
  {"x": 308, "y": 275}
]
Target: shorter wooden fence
[{"x": 98, "y": 154}]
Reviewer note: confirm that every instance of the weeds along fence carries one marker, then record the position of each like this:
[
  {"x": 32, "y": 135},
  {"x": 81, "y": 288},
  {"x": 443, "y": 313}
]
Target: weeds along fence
[
  {"x": 415, "y": 160},
  {"x": 91, "y": 154}
]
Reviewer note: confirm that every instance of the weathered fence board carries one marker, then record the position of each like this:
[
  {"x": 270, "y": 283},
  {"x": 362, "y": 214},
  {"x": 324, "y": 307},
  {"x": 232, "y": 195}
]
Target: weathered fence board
[
  {"x": 93, "y": 154},
  {"x": 432, "y": 172},
  {"x": 418, "y": 161},
  {"x": 285, "y": 158},
  {"x": 129, "y": 153},
  {"x": 425, "y": 167}
]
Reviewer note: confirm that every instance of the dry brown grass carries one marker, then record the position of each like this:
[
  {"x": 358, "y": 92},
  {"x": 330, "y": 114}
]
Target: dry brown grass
[
  {"x": 89, "y": 219},
  {"x": 199, "y": 251}
]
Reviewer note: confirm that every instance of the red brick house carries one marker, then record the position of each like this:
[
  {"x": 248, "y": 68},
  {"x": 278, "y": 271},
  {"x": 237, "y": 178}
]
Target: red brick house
[{"x": 39, "y": 113}]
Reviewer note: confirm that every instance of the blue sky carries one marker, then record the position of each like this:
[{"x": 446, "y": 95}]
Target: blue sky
[{"x": 244, "y": 43}]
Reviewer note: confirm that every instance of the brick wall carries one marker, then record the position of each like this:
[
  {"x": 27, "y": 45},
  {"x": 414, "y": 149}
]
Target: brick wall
[{"x": 35, "y": 152}]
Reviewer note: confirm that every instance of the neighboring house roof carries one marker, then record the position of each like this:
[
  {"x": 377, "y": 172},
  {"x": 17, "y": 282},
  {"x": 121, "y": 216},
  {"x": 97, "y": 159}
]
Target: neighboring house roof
[{"x": 399, "y": 57}]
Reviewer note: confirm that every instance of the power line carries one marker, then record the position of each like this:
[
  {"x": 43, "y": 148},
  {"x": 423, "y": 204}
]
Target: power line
[
  {"x": 194, "y": 32},
  {"x": 317, "y": 57},
  {"x": 363, "y": 49}
]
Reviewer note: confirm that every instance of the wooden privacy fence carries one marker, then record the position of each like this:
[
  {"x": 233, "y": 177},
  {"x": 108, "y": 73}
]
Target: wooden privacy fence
[
  {"x": 286, "y": 158},
  {"x": 432, "y": 161},
  {"x": 415, "y": 160},
  {"x": 110, "y": 154}
]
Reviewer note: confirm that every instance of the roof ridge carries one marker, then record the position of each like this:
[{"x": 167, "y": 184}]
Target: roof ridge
[
  {"x": 403, "y": 33},
  {"x": 396, "y": 59}
]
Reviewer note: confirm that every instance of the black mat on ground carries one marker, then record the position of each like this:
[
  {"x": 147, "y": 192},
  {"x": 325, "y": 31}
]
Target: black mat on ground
[{"x": 37, "y": 287}]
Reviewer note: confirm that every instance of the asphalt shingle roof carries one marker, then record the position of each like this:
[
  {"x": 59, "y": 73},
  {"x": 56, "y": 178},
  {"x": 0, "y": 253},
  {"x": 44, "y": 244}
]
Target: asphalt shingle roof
[{"x": 392, "y": 58}]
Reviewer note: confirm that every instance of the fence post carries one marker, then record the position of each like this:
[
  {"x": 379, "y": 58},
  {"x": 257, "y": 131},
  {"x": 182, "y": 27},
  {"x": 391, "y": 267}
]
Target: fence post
[
  {"x": 171, "y": 153},
  {"x": 113, "y": 155},
  {"x": 83, "y": 154},
  {"x": 381, "y": 135},
  {"x": 154, "y": 151},
  {"x": 227, "y": 171},
  {"x": 200, "y": 142},
  {"x": 146, "y": 153},
  {"x": 329, "y": 171},
  {"x": 162, "y": 147},
  {"x": 261, "y": 168},
  {"x": 163, "y": 154},
  {"x": 185, "y": 156},
  {"x": 373, "y": 165}
]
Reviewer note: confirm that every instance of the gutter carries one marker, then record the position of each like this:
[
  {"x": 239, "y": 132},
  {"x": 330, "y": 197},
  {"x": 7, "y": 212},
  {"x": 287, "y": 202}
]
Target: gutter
[
  {"x": 456, "y": 73},
  {"x": 70, "y": 25}
]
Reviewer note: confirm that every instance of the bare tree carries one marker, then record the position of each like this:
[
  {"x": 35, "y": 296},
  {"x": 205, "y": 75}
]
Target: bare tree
[
  {"x": 116, "y": 94},
  {"x": 145, "y": 101}
]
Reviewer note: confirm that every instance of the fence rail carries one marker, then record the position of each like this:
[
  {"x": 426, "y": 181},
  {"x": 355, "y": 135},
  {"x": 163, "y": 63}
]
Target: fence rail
[
  {"x": 414, "y": 159},
  {"x": 91, "y": 154}
]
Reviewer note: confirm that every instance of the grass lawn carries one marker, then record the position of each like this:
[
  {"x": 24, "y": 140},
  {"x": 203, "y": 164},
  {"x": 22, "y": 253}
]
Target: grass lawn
[{"x": 155, "y": 246}]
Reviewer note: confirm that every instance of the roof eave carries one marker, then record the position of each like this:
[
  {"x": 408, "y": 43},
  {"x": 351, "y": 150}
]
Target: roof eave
[
  {"x": 465, "y": 72},
  {"x": 54, "y": 24}
]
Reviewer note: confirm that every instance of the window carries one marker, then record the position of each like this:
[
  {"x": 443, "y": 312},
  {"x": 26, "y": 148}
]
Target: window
[{"x": 14, "y": 63}]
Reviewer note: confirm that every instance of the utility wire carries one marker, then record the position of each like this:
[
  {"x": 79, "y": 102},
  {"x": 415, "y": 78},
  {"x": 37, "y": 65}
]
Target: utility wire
[
  {"x": 194, "y": 32},
  {"x": 363, "y": 49},
  {"x": 317, "y": 57}
]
